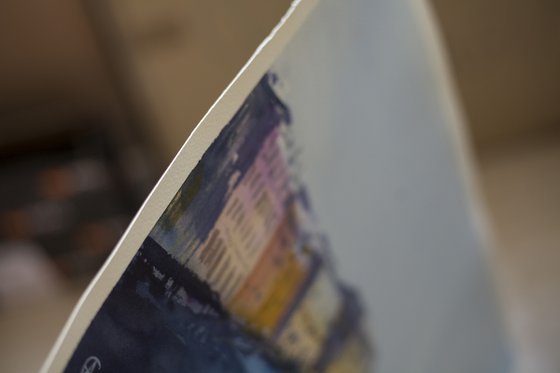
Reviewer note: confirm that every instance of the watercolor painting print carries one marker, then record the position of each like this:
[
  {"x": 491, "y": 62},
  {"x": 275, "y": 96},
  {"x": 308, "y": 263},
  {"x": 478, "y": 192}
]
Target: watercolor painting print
[
  {"x": 236, "y": 275},
  {"x": 320, "y": 218}
]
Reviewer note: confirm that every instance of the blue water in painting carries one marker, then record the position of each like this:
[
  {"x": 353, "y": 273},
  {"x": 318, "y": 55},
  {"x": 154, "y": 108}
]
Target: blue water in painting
[{"x": 152, "y": 323}]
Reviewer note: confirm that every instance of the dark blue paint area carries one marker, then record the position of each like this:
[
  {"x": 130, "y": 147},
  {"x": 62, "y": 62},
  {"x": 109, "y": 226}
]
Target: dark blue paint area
[{"x": 157, "y": 320}]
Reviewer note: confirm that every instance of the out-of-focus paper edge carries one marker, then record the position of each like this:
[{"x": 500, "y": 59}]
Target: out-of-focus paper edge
[
  {"x": 184, "y": 162},
  {"x": 464, "y": 154},
  {"x": 456, "y": 125}
]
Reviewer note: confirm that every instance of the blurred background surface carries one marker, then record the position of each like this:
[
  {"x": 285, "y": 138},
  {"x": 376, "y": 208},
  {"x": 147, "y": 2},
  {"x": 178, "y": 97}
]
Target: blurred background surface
[
  {"x": 97, "y": 97},
  {"x": 505, "y": 56}
]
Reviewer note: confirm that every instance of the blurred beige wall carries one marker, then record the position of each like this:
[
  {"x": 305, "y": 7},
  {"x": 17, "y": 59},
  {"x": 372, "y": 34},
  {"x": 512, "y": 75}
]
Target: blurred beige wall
[
  {"x": 50, "y": 66},
  {"x": 171, "y": 59},
  {"x": 181, "y": 54},
  {"x": 506, "y": 57}
]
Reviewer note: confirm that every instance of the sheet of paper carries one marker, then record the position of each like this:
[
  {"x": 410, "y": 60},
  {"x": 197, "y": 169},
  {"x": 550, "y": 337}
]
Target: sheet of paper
[{"x": 320, "y": 217}]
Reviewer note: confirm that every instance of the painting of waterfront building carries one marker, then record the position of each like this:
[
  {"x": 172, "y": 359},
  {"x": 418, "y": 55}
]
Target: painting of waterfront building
[{"x": 236, "y": 275}]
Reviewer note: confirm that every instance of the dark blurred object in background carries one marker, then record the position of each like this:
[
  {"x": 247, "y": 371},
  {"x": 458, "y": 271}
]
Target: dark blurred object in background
[
  {"x": 74, "y": 163},
  {"x": 68, "y": 197}
]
